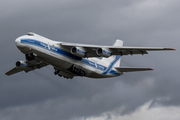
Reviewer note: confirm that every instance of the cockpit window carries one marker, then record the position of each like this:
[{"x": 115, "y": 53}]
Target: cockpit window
[{"x": 30, "y": 34}]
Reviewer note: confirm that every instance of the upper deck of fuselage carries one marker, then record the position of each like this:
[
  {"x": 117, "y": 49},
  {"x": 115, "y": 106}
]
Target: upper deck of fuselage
[{"x": 36, "y": 37}]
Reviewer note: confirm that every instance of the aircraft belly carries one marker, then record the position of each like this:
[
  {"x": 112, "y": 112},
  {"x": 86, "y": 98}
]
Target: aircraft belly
[{"x": 58, "y": 61}]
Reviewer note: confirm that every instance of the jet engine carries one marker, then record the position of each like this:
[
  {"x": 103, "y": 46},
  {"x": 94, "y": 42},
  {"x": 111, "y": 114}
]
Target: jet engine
[
  {"x": 103, "y": 53},
  {"x": 27, "y": 65},
  {"x": 78, "y": 51},
  {"x": 22, "y": 65}
]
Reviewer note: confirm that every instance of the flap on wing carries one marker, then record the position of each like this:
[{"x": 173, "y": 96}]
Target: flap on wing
[
  {"x": 13, "y": 71},
  {"x": 121, "y": 69}
]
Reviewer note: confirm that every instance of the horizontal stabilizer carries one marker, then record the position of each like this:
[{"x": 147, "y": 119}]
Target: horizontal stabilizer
[
  {"x": 13, "y": 71},
  {"x": 122, "y": 69}
]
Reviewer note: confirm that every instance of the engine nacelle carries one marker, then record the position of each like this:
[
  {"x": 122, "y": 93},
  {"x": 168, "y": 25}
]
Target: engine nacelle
[
  {"x": 22, "y": 65},
  {"x": 103, "y": 52},
  {"x": 78, "y": 51}
]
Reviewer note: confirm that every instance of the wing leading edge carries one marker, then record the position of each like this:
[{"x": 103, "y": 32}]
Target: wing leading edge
[{"x": 90, "y": 50}]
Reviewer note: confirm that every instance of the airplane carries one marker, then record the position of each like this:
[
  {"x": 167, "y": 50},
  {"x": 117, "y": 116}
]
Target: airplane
[{"x": 73, "y": 59}]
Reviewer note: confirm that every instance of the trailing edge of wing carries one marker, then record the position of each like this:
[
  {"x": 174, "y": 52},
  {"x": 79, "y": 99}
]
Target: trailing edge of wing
[
  {"x": 13, "y": 71},
  {"x": 121, "y": 69}
]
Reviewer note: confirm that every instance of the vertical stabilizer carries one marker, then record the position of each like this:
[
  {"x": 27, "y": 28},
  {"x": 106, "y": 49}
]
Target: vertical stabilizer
[
  {"x": 115, "y": 59},
  {"x": 118, "y": 43}
]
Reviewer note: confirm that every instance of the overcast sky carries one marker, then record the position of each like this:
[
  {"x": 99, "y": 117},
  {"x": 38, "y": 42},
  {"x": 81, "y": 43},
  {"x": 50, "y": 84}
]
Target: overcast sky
[{"x": 142, "y": 95}]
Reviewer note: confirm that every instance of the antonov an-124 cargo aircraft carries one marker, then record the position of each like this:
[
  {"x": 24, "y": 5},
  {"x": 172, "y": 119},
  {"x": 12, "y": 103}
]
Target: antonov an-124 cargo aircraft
[{"x": 72, "y": 59}]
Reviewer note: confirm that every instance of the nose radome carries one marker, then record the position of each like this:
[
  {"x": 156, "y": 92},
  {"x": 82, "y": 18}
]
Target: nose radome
[{"x": 17, "y": 42}]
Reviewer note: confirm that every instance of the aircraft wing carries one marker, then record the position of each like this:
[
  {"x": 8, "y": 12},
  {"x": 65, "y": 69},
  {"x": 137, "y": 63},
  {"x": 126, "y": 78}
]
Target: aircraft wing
[
  {"x": 122, "y": 69},
  {"x": 33, "y": 67},
  {"x": 13, "y": 71},
  {"x": 90, "y": 50}
]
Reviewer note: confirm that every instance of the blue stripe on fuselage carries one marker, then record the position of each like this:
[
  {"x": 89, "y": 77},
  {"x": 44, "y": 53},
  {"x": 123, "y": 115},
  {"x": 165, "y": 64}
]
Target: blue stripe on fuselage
[
  {"x": 50, "y": 48},
  {"x": 71, "y": 56},
  {"x": 112, "y": 64}
]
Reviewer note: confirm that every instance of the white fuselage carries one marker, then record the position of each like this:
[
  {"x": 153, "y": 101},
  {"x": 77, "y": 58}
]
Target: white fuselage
[{"x": 51, "y": 52}]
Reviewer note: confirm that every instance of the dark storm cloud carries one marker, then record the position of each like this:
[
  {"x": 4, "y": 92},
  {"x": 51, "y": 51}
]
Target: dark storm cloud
[{"x": 41, "y": 95}]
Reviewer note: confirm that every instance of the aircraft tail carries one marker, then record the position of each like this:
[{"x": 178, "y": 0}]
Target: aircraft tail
[{"x": 115, "y": 59}]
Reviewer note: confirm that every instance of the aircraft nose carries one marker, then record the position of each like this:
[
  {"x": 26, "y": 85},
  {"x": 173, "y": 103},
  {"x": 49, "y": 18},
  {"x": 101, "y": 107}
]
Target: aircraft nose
[{"x": 17, "y": 42}]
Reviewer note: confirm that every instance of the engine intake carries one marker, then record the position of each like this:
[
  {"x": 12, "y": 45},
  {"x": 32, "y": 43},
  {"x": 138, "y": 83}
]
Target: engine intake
[
  {"x": 22, "y": 65},
  {"x": 103, "y": 53},
  {"x": 77, "y": 51}
]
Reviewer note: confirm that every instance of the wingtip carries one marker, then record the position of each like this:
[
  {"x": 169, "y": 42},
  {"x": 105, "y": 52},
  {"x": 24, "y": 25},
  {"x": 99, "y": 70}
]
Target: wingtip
[
  {"x": 172, "y": 49},
  {"x": 7, "y": 74},
  {"x": 150, "y": 69}
]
